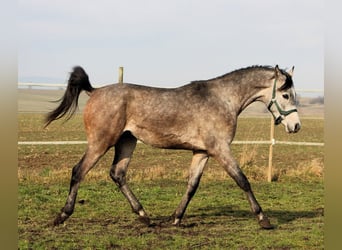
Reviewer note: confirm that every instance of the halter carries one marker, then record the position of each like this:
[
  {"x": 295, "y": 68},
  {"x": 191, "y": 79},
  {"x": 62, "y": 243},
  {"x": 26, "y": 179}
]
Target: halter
[{"x": 282, "y": 113}]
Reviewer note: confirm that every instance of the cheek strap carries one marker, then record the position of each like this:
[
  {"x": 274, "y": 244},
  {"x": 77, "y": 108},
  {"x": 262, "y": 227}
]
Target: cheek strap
[{"x": 282, "y": 113}]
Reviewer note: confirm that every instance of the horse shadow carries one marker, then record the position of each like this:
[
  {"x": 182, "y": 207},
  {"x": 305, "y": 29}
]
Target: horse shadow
[
  {"x": 214, "y": 214},
  {"x": 211, "y": 215},
  {"x": 281, "y": 216}
]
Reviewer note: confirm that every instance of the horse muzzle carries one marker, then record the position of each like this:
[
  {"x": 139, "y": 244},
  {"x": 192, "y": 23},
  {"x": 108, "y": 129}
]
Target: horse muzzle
[
  {"x": 293, "y": 129},
  {"x": 290, "y": 122}
]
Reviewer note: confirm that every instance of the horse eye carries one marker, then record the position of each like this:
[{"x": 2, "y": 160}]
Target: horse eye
[{"x": 286, "y": 96}]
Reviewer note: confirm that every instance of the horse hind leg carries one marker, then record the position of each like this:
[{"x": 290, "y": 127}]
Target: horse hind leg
[
  {"x": 88, "y": 161},
  {"x": 123, "y": 153}
]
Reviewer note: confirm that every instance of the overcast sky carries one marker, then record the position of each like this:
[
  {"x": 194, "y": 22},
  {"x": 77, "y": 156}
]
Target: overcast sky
[{"x": 169, "y": 43}]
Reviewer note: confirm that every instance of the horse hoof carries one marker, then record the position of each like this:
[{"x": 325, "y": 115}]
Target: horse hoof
[
  {"x": 60, "y": 219},
  {"x": 265, "y": 224},
  {"x": 145, "y": 220}
]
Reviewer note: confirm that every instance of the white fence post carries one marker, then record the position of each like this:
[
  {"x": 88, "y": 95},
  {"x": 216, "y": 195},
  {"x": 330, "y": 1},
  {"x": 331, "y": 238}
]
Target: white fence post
[
  {"x": 121, "y": 69},
  {"x": 270, "y": 153}
]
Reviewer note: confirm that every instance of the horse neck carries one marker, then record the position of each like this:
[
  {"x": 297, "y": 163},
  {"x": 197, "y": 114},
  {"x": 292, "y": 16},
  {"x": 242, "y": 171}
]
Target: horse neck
[{"x": 241, "y": 93}]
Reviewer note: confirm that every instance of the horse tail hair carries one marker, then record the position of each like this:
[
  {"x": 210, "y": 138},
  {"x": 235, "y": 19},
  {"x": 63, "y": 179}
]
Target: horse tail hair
[{"x": 77, "y": 82}]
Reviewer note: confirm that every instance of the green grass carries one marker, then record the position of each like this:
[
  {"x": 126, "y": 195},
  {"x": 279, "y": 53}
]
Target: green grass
[{"x": 218, "y": 217}]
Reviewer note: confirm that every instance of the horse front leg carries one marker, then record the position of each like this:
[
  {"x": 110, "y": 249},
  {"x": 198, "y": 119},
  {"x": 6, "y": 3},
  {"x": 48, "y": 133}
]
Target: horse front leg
[
  {"x": 234, "y": 171},
  {"x": 198, "y": 163}
]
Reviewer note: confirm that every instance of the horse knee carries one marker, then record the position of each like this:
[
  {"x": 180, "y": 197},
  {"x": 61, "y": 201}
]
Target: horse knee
[{"x": 119, "y": 177}]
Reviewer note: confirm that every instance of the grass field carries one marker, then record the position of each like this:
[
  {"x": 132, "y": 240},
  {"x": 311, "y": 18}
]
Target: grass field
[{"x": 218, "y": 216}]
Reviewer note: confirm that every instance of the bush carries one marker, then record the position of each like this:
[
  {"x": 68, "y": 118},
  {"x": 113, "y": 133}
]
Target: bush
[{"x": 317, "y": 100}]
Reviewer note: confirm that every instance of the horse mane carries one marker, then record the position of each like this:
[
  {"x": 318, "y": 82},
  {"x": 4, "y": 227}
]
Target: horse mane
[
  {"x": 288, "y": 82},
  {"x": 243, "y": 70}
]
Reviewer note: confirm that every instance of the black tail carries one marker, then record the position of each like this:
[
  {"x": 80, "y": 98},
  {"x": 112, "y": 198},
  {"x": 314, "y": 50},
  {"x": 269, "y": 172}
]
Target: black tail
[{"x": 78, "y": 81}]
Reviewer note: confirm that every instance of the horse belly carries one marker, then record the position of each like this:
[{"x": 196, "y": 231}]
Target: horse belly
[{"x": 164, "y": 138}]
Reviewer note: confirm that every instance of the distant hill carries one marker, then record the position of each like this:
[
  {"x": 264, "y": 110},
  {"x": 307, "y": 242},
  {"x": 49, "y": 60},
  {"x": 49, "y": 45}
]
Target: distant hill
[{"x": 40, "y": 79}]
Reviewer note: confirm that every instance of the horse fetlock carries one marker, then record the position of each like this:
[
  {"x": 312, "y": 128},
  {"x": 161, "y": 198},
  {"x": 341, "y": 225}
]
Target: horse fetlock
[
  {"x": 142, "y": 213},
  {"x": 176, "y": 222},
  {"x": 176, "y": 219}
]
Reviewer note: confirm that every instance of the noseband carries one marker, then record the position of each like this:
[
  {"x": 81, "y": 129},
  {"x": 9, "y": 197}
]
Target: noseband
[{"x": 282, "y": 113}]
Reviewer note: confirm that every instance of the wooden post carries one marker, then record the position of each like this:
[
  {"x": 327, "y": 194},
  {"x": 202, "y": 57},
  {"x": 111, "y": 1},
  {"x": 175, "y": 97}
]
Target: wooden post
[
  {"x": 270, "y": 155},
  {"x": 121, "y": 75}
]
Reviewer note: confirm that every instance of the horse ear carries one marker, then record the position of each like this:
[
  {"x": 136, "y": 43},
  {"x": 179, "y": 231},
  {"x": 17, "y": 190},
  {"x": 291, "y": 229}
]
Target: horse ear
[
  {"x": 277, "y": 71},
  {"x": 291, "y": 71}
]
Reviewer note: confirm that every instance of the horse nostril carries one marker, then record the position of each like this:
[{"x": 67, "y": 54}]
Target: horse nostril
[{"x": 297, "y": 127}]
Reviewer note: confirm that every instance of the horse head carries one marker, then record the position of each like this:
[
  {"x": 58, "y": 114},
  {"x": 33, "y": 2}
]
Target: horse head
[{"x": 282, "y": 104}]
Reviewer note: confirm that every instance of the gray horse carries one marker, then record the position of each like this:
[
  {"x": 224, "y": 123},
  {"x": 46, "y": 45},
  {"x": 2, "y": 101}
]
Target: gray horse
[{"x": 200, "y": 116}]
